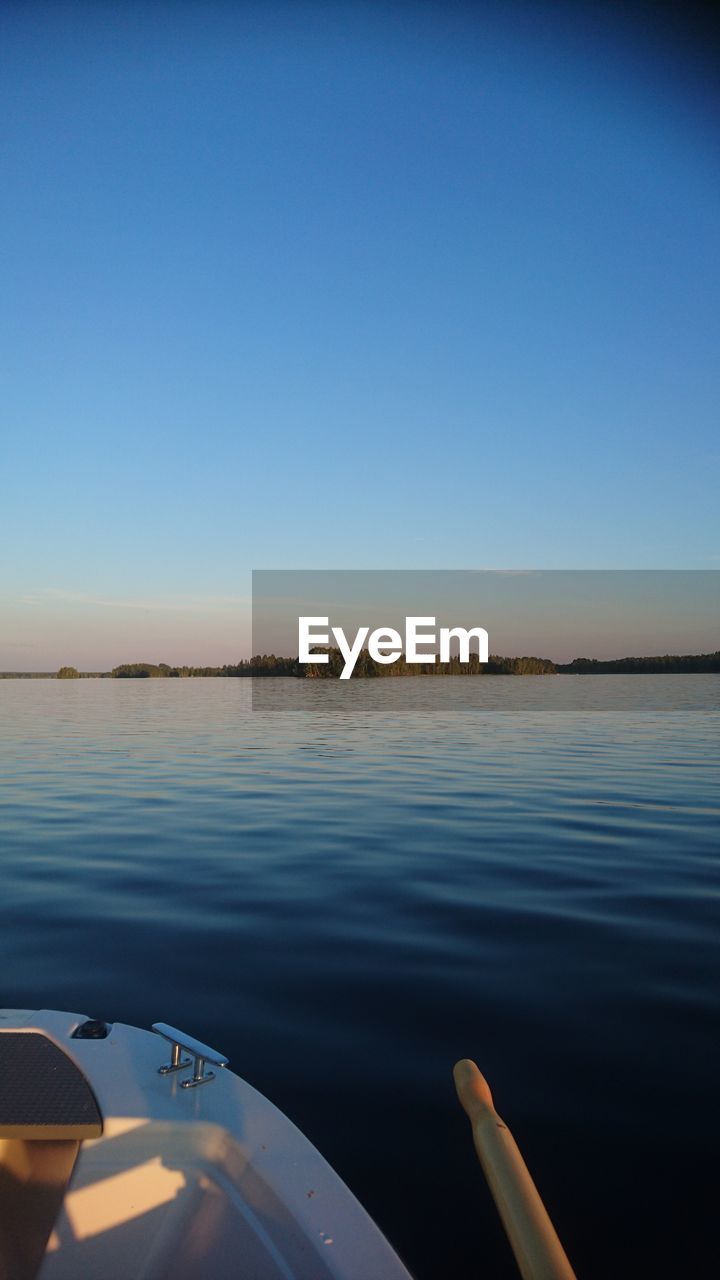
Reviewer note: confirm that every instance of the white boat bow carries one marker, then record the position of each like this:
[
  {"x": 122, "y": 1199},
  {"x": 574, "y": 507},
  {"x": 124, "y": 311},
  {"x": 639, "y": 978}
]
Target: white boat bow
[{"x": 132, "y": 1155}]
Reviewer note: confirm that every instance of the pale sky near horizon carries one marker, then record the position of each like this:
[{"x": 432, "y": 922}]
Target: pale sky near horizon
[
  {"x": 553, "y": 614},
  {"x": 411, "y": 285}
]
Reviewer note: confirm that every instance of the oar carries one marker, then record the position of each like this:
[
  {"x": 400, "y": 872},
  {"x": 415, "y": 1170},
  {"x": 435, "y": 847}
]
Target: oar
[{"x": 538, "y": 1252}]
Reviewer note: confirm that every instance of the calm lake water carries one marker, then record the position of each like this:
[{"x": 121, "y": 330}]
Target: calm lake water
[{"x": 349, "y": 899}]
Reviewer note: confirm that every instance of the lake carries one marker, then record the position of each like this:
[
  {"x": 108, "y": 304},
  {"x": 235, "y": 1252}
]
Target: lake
[{"x": 348, "y": 895}]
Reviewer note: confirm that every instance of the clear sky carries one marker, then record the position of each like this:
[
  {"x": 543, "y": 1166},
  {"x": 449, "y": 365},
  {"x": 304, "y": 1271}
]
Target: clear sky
[{"x": 407, "y": 286}]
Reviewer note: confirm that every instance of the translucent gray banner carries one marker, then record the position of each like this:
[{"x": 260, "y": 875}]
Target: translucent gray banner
[{"x": 448, "y": 640}]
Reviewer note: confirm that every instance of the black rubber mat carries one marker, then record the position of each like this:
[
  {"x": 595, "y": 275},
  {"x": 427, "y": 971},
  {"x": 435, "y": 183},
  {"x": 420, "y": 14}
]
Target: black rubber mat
[{"x": 42, "y": 1092}]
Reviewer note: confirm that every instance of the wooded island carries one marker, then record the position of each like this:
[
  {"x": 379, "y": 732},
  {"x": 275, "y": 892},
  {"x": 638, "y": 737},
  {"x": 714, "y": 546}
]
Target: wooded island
[{"x": 366, "y": 668}]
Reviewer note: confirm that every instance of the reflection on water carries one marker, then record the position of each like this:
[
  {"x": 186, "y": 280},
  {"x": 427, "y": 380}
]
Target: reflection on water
[{"x": 348, "y": 901}]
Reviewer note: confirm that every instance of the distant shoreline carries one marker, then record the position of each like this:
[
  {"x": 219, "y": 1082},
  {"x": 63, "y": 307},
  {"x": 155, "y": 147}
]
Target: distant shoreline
[{"x": 269, "y": 665}]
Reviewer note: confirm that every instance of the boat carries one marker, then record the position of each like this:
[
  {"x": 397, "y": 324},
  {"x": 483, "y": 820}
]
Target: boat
[
  {"x": 128, "y": 1154},
  {"x": 138, "y": 1155}
]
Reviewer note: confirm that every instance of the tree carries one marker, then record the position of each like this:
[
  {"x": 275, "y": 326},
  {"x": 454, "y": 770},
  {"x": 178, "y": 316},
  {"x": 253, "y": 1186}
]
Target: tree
[{"x": 68, "y": 673}]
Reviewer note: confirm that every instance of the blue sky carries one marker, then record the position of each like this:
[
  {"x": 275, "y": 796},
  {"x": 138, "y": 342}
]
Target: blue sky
[{"x": 415, "y": 286}]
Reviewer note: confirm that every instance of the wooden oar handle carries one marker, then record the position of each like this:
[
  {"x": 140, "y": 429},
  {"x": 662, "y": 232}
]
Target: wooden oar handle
[
  {"x": 534, "y": 1241},
  {"x": 473, "y": 1089}
]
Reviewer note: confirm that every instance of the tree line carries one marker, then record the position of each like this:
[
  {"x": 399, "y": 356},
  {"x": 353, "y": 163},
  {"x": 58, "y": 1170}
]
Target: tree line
[
  {"x": 665, "y": 663},
  {"x": 269, "y": 664}
]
